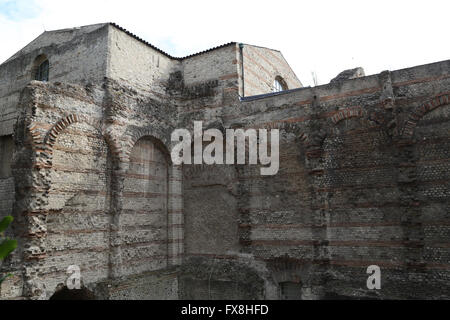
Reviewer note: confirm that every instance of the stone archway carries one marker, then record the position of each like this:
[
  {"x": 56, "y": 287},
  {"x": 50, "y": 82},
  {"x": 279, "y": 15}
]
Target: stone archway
[
  {"x": 144, "y": 217},
  {"x": 78, "y": 220}
]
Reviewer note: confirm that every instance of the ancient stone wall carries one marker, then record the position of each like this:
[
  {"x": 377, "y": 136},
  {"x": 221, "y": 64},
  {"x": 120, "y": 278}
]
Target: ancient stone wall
[
  {"x": 363, "y": 180},
  {"x": 78, "y": 219},
  {"x": 219, "y": 63},
  {"x": 91, "y": 190},
  {"x": 137, "y": 65},
  {"x": 144, "y": 215},
  {"x": 261, "y": 67},
  {"x": 76, "y": 55},
  {"x": 6, "y": 180}
]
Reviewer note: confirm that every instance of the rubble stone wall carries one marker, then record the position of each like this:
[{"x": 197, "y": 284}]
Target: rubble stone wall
[{"x": 363, "y": 180}]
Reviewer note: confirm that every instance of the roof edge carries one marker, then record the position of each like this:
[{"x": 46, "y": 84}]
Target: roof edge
[{"x": 115, "y": 25}]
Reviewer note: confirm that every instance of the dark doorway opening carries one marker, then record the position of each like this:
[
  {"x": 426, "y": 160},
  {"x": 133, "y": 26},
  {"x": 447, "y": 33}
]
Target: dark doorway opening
[
  {"x": 291, "y": 290},
  {"x": 73, "y": 294}
]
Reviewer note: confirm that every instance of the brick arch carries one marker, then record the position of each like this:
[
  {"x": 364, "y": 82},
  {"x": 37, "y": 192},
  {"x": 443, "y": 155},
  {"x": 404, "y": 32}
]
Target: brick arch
[
  {"x": 176, "y": 238},
  {"x": 284, "y": 269},
  {"x": 60, "y": 126},
  {"x": 136, "y": 134},
  {"x": 49, "y": 155},
  {"x": 421, "y": 111},
  {"x": 50, "y": 139},
  {"x": 346, "y": 113},
  {"x": 313, "y": 141}
]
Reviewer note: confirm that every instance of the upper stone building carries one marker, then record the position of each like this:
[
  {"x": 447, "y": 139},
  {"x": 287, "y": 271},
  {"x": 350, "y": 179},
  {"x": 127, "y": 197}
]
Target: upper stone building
[{"x": 86, "y": 116}]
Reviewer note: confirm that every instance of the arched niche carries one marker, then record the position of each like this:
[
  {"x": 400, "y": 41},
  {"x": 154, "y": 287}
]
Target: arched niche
[
  {"x": 151, "y": 217},
  {"x": 210, "y": 206},
  {"x": 78, "y": 218},
  {"x": 431, "y": 151}
]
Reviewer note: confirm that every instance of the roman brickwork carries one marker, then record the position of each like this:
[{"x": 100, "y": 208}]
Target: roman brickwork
[
  {"x": 261, "y": 66},
  {"x": 86, "y": 172}
]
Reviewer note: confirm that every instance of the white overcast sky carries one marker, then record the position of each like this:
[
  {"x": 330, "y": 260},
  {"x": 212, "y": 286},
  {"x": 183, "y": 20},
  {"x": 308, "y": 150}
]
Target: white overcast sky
[{"x": 321, "y": 36}]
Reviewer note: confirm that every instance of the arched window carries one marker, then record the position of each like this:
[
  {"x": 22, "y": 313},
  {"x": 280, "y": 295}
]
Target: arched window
[
  {"x": 279, "y": 84},
  {"x": 41, "y": 68},
  {"x": 42, "y": 72}
]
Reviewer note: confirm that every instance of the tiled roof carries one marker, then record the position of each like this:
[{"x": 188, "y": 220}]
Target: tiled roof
[{"x": 163, "y": 52}]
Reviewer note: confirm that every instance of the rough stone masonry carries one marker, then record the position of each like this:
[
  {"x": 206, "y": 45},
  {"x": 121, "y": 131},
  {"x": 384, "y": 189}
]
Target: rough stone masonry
[{"x": 85, "y": 171}]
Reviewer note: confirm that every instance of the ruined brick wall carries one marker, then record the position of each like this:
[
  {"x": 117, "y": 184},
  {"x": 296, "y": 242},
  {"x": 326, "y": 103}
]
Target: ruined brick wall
[
  {"x": 78, "y": 219},
  {"x": 75, "y": 56},
  {"x": 363, "y": 180},
  {"x": 337, "y": 205},
  {"x": 100, "y": 194},
  {"x": 144, "y": 215}
]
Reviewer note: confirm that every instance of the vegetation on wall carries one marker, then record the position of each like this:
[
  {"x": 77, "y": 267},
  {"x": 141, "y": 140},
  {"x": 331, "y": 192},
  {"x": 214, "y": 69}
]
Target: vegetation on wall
[{"x": 7, "y": 245}]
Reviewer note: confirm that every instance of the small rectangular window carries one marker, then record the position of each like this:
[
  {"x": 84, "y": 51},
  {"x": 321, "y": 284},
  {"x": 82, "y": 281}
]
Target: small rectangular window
[{"x": 6, "y": 153}]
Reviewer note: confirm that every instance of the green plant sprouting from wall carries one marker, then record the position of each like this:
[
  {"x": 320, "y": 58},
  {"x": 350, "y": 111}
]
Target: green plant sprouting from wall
[{"x": 7, "y": 245}]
